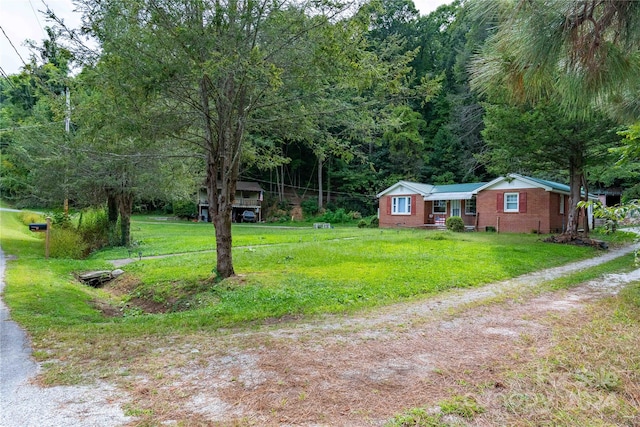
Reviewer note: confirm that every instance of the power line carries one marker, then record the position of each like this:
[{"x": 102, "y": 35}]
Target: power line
[
  {"x": 12, "y": 45},
  {"x": 37, "y": 19},
  {"x": 342, "y": 193},
  {"x": 4, "y": 74}
]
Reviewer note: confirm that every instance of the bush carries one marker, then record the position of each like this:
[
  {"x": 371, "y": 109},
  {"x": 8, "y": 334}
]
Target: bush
[
  {"x": 375, "y": 222},
  {"x": 185, "y": 209},
  {"x": 93, "y": 226},
  {"x": 61, "y": 219},
  {"x": 337, "y": 217},
  {"x": 362, "y": 224},
  {"x": 278, "y": 215},
  {"x": 310, "y": 207},
  {"x": 27, "y": 217},
  {"x": 66, "y": 243},
  {"x": 455, "y": 223}
]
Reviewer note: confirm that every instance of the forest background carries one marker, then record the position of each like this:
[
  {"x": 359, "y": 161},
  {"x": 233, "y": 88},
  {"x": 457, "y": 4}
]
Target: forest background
[{"x": 78, "y": 126}]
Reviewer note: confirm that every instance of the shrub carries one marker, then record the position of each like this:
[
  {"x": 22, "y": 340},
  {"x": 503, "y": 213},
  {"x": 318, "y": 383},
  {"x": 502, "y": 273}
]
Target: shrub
[
  {"x": 337, "y": 217},
  {"x": 27, "y": 217},
  {"x": 375, "y": 222},
  {"x": 278, "y": 215},
  {"x": 310, "y": 207},
  {"x": 66, "y": 243},
  {"x": 93, "y": 226},
  {"x": 455, "y": 223},
  {"x": 355, "y": 215},
  {"x": 185, "y": 208},
  {"x": 61, "y": 219},
  {"x": 362, "y": 223}
]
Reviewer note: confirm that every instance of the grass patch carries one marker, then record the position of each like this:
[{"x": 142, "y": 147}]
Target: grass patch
[
  {"x": 340, "y": 274},
  {"x": 282, "y": 272},
  {"x": 465, "y": 407},
  {"x": 590, "y": 377},
  {"x": 621, "y": 264}
]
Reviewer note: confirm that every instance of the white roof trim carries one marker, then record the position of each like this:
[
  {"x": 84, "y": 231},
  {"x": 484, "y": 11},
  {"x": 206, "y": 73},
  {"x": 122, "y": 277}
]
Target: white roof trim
[
  {"x": 413, "y": 186},
  {"x": 515, "y": 176},
  {"x": 450, "y": 196}
]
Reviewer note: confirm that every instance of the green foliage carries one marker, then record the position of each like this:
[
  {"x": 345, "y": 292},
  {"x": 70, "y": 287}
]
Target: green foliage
[
  {"x": 362, "y": 224},
  {"x": 60, "y": 218},
  {"x": 66, "y": 242},
  {"x": 337, "y": 217},
  {"x": 455, "y": 223},
  {"x": 630, "y": 151},
  {"x": 310, "y": 207},
  {"x": 613, "y": 215},
  {"x": 93, "y": 226},
  {"x": 417, "y": 417},
  {"x": 27, "y": 217},
  {"x": 602, "y": 379},
  {"x": 464, "y": 406},
  {"x": 185, "y": 208}
]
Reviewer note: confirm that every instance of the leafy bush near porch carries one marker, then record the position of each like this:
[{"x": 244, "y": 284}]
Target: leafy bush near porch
[{"x": 455, "y": 223}]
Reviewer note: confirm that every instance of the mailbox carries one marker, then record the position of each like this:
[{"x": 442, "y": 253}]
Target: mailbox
[{"x": 38, "y": 227}]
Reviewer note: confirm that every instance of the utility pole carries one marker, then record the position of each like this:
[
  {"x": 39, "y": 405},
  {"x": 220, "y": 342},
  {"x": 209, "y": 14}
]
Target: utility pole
[{"x": 67, "y": 129}]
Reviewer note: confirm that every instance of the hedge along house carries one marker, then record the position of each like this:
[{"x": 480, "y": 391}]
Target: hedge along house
[
  {"x": 515, "y": 203},
  {"x": 411, "y": 204},
  {"x": 248, "y": 197}
]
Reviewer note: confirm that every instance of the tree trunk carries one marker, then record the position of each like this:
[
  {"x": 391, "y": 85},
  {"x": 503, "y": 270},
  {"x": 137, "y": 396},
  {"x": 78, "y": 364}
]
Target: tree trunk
[
  {"x": 575, "y": 184},
  {"x": 112, "y": 217},
  {"x": 320, "y": 196},
  {"x": 329, "y": 181},
  {"x": 221, "y": 197},
  {"x": 125, "y": 206},
  {"x": 585, "y": 211},
  {"x": 223, "y": 160}
]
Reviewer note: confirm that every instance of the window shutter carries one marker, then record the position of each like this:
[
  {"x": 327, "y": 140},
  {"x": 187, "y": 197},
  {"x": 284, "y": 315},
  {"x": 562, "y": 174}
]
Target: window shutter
[
  {"x": 413, "y": 204},
  {"x": 523, "y": 203},
  {"x": 500, "y": 202},
  {"x": 388, "y": 205}
]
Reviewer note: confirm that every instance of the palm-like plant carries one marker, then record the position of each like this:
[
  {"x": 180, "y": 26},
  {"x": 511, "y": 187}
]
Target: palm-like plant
[{"x": 582, "y": 55}]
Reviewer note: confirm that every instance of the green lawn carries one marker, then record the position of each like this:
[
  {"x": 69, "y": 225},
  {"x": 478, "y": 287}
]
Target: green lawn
[
  {"x": 152, "y": 236},
  {"x": 282, "y": 271}
]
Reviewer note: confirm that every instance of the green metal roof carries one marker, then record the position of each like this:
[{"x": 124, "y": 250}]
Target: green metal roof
[
  {"x": 458, "y": 188},
  {"x": 554, "y": 185}
]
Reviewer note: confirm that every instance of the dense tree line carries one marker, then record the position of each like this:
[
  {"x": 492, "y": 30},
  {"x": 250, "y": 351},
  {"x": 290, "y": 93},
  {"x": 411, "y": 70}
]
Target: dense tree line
[{"x": 335, "y": 100}]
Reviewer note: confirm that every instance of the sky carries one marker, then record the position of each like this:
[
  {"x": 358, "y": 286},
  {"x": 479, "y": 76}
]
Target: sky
[{"x": 23, "y": 19}]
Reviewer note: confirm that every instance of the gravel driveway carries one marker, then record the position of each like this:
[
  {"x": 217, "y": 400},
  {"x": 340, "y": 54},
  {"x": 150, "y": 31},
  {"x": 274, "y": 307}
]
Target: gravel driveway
[{"x": 24, "y": 404}]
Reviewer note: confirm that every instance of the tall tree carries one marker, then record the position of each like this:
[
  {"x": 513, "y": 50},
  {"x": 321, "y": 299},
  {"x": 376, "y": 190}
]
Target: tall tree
[
  {"x": 544, "y": 142},
  {"x": 581, "y": 52},
  {"x": 223, "y": 69},
  {"x": 578, "y": 54}
]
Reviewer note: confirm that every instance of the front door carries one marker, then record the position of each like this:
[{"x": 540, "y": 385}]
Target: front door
[{"x": 455, "y": 208}]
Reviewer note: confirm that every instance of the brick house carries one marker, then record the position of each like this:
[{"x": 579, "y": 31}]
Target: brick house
[
  {"x": 411, "y": 204},
  {"x": 514, "y": 203}
]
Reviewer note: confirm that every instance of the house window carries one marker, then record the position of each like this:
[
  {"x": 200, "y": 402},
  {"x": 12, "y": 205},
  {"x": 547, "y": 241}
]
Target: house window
[
  {"x": 561, "y": 204},
  {"x": 401, "y": 205},
  {"x": 511, "y": 202},
  {"x": 439, "y": 206},
  {"x": 470, "y": 207}
]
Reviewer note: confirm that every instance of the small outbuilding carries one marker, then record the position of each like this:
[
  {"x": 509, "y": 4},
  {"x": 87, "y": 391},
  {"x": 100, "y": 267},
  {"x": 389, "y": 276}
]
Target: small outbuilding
[{"x": 248, "y": 197}]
